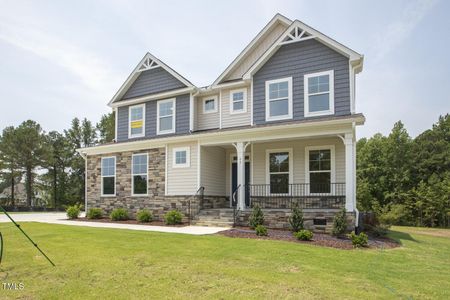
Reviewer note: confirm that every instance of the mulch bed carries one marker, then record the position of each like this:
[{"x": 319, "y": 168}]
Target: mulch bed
[
  {"x": 319, "y": 239},
  {"x": 133, "y": 222}
]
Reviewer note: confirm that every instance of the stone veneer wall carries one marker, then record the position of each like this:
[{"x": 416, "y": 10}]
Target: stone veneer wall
[
  {"x": 155, "y": 201},
  {"x": 279, "y": 218},
  {"x": 216, "y": 202}
]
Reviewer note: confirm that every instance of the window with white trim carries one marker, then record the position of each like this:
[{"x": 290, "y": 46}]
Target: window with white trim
[
  {"x": 136, "y": 121},
  {"x": 139, "y": 173},
  {"x": 279, "y": 171},
  {"x": 319, "y": 93},
  {"x": 108, "y": 174},
  {"x": 238, "y": 101},
  {"x": 181, "y": 157},
  {"x": 320, "y": 171},
  {"x": 166, "y": 116},
  {"x": 210, "y": 104},
  {"x": 279, "y": 99}
]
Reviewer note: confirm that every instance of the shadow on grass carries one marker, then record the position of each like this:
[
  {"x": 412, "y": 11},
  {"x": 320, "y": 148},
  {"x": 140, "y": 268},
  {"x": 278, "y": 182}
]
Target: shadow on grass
[{"x": 400, "y": 236}]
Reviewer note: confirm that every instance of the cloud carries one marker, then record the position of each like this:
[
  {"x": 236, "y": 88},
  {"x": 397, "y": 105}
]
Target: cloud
[
  {"x": 93, "y": 71},
  {"x": 397, "y": 32}
]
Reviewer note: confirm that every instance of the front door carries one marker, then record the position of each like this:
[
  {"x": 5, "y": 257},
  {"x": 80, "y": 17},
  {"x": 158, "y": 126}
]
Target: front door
[{"x": 234, "y": 181}]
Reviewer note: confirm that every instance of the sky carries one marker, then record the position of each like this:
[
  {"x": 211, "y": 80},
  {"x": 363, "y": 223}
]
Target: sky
[{"x": 66, "y": 59}]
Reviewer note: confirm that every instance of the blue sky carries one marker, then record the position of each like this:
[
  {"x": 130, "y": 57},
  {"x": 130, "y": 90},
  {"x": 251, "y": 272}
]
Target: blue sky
[{"x": 65, "y": 59}]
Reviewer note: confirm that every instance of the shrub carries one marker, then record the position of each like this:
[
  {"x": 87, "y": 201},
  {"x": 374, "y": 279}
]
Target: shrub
[
  {"x": 339, "y": 223},
  {"x": 119, "y": 214},
  {"x": 359, "y": 240},
  {"x": 257, "y": 217},
  {"x": 173, "y": 217},
  {"x": 304, "y": 235},
  {"x": 73, "y": 211},
  {"x": 261, "y": 230},
  {"x": 144, "y": 216},
  {"x": 95, "y": 213},
  {"x": 379, "y": 230},
  {"x": 296, "y": 219}
]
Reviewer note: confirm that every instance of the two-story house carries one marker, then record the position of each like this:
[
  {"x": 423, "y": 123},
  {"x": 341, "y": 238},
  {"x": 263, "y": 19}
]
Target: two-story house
[{"x": 277, "y": 127}]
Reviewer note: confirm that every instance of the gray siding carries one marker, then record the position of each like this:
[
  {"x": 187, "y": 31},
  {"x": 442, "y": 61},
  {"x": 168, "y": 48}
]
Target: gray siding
[
  {"x": 151, "y": 82},
  {"x": 295, "y": 60},
  {"x": 181, "y": 118}
]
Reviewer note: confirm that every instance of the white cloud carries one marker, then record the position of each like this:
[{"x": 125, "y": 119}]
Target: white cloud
[
  {"x": 397, "y": 32},
  {"x": 90, "y": 69}
]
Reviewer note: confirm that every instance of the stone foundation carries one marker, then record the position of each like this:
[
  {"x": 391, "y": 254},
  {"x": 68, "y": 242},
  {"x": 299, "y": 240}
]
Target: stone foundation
[
  {"x": 279, "y": 219},
  {"x": 216, "y": 202}
]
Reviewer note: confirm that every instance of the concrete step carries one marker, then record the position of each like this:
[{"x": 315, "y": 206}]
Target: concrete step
[{"x": 222, "y": 217}]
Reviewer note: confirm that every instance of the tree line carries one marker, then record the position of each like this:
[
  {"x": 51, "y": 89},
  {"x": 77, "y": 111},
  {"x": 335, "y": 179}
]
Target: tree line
[
  {"x": 404, "y": 180},
  {"x": 48, "y": 161}
]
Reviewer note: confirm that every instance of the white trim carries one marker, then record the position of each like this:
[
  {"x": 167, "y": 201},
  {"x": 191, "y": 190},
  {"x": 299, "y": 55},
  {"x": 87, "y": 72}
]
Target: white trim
[
  {"x": 352, "y": 87},
  {"x": 101, "y": 177},
  {"x": 163, "y": 95},
  {"x": 291, "y": 167},
  {"x": 290, "y": 102},
  {"x": 216, "y": 103},
  {"x": 244, "y": 101},
  {"x": 174, "y": 114},
  {"x": 251, "y": 164},
  {"x": 136, "y": 72},
  {"x": 313, "y": 127},
  {"x": 133, "y": 174},
  {"x": 347, "y": 52},
  {"x": 188, "y": 157},
  {"x": 220, "y": 109},
  {"x": 333, "y": 163},
  {"x": 116, "y": 124},
  {"x": 198, "y": 164},
  {"x": 278, "y": 18},
  {"x": 251, "y": 103},
  {"x": 132, "y": 136},
  {"x": 330, "y": 111},
  {"x": 191, "y": 112}
]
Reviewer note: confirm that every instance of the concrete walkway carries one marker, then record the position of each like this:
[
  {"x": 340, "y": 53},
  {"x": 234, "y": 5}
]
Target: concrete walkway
[{"x": 61, "y": 219}]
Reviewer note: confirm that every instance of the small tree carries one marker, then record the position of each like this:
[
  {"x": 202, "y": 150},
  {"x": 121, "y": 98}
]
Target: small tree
[
  {"x": 257, "y": 217},
  {"x": 340, "y": 223},
  {"x": 296, "y": 218}
]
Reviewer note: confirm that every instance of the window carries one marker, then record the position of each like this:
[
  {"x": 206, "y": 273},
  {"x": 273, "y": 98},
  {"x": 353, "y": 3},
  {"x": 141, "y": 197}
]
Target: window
[
  {"x": 139, "y": 174},
  {"x": 181, "y": 157},
  {"x": 166, "y": 116},
  {"x": 238, "y": 101},
  {"x": 210, "y": 105},
  {"x": 279, "y": 171},
  {"x": 108, "y": 176},
  {"x": 320, "y": 169},
  {"x": 136, "y": 121},
  {"x": 319, "y": 94},
  {"x": 279, "y": 99}
]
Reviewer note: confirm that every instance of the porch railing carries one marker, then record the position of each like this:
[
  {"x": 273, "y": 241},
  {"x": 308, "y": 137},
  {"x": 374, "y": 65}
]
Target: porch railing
[
  {"x": 195, "y": 203},
  {"x": 305, "y": 195}
]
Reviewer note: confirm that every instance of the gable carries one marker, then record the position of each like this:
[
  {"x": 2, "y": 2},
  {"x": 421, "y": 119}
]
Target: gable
[
  {"x": 152, "y": 81},
  {"x": 260, "y": 47}
]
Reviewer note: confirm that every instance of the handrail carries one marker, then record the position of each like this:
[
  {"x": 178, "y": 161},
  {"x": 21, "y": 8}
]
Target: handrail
[
  {"x": 199, "y": 192},
  {"x": 234, "y": 203},
  {"x": 235, "y": 193}
]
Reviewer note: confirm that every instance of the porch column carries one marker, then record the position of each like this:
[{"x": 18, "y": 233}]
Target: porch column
[
  {"x": 240, "y": 151},
  {"x": 350, "y": 172}
]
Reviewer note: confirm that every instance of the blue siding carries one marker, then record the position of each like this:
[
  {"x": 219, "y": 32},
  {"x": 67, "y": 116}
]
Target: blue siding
[
  {"x": 295, "y": 60},
  {"x": 182, "y": 118},
  {"x": 152, "y": 82}
]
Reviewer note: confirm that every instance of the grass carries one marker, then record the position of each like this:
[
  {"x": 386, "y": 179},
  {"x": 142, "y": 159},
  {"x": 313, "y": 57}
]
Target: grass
[{"x": 122, "y": 264}]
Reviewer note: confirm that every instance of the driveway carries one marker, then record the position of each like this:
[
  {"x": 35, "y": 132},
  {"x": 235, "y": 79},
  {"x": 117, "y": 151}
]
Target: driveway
[{"x": 61, "y": 219}]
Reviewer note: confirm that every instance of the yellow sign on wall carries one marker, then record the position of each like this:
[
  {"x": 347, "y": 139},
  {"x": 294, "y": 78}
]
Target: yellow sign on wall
[{"x": 136, "y": 124}]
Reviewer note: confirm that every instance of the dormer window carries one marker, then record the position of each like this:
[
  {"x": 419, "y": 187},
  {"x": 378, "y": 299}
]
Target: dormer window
[
  {"x": 136, "y": 127},
  {"x": 238, "y": 101},
  {"x": 210, "y": 104},
  {"x": 319, "y": 94}
]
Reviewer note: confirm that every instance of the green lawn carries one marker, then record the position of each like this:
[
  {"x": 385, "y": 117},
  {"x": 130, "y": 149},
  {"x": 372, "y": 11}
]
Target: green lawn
[{"x": 123, "y": 264}]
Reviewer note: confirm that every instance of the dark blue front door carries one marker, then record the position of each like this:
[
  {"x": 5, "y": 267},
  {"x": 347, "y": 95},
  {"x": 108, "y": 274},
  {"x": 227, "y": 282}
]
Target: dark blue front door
[{"x": 234, "y": 182}]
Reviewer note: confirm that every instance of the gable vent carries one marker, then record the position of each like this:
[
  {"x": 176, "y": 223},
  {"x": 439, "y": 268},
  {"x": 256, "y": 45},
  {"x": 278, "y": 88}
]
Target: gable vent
[
  {"x": 296, "y": 35},
  {"x": 147, "y": 64}
]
